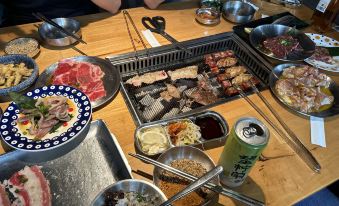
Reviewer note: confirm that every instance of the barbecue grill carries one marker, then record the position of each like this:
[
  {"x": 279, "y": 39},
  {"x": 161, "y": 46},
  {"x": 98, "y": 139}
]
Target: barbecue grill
[{"x": 168, "y": 58}]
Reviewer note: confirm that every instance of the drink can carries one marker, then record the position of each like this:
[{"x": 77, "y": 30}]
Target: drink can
[{"x": 247, "y": 139}]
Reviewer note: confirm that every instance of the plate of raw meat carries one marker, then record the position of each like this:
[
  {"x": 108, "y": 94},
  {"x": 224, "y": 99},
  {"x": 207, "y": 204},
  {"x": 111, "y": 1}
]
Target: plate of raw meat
[
  {"x": 95, "y": 77},
  {"x": 281, "y": 42},
  {"x": 305, "y": 90}
]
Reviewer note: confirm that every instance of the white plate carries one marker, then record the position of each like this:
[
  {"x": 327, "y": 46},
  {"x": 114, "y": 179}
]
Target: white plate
[{"x": 324, "y": 41}]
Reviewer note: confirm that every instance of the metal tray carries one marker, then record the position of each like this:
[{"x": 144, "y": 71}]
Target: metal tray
[
  {"x": 204, "y": 145},
  {"x": 77, "y": 177},
  {"x": 169, "y": 58}
]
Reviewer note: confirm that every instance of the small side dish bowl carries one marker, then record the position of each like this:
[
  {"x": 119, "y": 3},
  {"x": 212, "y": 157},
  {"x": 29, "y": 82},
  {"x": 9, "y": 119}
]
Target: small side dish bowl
[
  {"x": 238, "y": 12},
  {"x": 130, "y": 185},
  {"x": 207, "y": 16},
  {"x": 59, "y": 140},
  {"x": 25, "y": 83},
  {"x": 23, "y": 45},
  {"x": 54, "y": 37},
  {"x": 190, "y": 153}
]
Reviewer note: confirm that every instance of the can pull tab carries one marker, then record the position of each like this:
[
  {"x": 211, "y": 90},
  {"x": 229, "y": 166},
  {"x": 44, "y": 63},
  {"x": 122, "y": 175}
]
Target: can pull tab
[{"x": 252, "y": 130}]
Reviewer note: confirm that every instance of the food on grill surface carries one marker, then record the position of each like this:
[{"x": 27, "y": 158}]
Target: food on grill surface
[
  {"x": 122, "y": 198},
  {"x": 85, "y": 76},
  {"x": 209, "y": 127},
  {"x": 323, "y": 55},
  {"x": 171, "y": 184},
  {"x": 190, "y": 72},
  {"x": 171, "y": 92},
  {"x": 183, "y": 132},
  {"x": 231, "y": 73},
  {"x": 147, "y": 78},
  {"x": 174, "y": 111},
  {"x": 227, "y": 62},
  {"x": 44, "y": 115},
  {"x": 153, "y": 140},
  {"x": 305, "y": 89},
  {"x": 282, "y": 46},
  {"x": 13, "y": 74},
  {"x": 26, "y": 187},
  {"x": 204, "y": 93},
  {"x": 212, "y": 59}
]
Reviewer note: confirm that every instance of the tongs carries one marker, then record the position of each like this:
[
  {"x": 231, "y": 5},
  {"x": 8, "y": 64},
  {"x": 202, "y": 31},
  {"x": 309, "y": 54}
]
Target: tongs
[
  {"x": 294, "y": 142},
  {"x": 127, "y": 16}
]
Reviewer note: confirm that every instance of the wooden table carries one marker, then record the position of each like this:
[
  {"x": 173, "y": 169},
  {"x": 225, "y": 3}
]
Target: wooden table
[{"x": 282, "y": 180}]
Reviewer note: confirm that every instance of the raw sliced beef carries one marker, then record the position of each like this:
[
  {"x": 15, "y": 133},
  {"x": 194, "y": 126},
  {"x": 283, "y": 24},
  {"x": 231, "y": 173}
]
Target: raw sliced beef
[{"x": 83, "y": 75}]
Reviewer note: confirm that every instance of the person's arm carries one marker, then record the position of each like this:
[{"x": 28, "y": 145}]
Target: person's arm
[
  {"x": 109, "y": 5},
  {"x": 153, "y": 4}
]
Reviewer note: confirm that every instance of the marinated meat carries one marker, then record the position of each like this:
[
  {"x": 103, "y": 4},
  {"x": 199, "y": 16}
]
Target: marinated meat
[
  {"x": 223, "y": 54},
  {"x": 83, "y": 75},
  {"x": 147, "y": 78},
  {"x": 4, "y": 200},
  {"x": 322, "y": 54},
  {"x": 243, "y": 79},
  {"x": 225, "y": 84},
  {"x": 230, "y": 91},
  {"x": 282, "y": 45},
  {"x": 227, "y": 62},
  {"x": 190, "y": 72},
  {"x": 215, "y": 70},
  {"x": 203, "y": 97},
  {"x": 302, "y": 88},
  {"x": 166, "y": 96}
]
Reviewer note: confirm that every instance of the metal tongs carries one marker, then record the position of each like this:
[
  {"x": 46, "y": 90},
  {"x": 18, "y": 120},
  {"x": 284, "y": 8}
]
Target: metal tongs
[
  {"x": 293, "y": 141},
  {"x": 216, "y": 188},
  {"x": 127, "y": 16},
  {"x": 157, "y": 24}
]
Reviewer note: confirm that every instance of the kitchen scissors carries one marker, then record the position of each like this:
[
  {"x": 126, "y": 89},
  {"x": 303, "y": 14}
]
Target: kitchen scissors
[{"x": 157, "y": 24}]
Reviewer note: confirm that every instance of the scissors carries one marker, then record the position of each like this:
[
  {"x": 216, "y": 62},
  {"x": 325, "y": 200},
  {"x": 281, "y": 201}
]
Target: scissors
[{"x": 157, "y": 24}]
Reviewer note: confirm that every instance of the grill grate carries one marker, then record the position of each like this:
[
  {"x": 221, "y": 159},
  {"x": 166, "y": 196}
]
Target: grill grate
[{"x": 169, "y": 58}]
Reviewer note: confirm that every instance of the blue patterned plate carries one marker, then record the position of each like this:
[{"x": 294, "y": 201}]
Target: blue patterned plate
[{"x": 82, "y": 111}]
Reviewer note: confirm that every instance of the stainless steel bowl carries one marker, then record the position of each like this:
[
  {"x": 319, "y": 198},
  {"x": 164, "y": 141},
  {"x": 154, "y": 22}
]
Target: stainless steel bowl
[
  {"x": 238, "y": 12},
  {"x": 130, "y": 185},
  {"x": 52, "y": 36},
  {"x": 192, "y": 153},
  {"x": 207, "y": 16},
  {"x": 261, "y": 33}
]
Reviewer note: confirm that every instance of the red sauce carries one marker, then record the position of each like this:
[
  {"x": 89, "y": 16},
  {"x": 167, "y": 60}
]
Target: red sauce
[
  {"x": 210, "y": 128},
  {"x": 25, "y": 122},
  {"x": 65, "y": 124},
  {"x": 70, "y": 109}
]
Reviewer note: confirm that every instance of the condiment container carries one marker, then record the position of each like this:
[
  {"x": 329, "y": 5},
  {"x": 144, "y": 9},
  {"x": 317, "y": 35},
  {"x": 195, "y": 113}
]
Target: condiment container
[
  {"x": 205, "y": 142},
  {"x": 23, "y": 45},
  {"x": 207, "y": 16}
]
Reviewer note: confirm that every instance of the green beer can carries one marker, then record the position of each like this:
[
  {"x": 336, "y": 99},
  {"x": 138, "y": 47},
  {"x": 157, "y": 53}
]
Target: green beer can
[{"x": 247, "y": 139}]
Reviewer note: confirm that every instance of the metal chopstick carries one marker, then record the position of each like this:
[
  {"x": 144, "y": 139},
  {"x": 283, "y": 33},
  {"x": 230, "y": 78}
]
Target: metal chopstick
[
  {"x": 49, "y": 21},
  {"x": 287, "y": 129},
  {"x": 301, "y": 151},
  {"x": 216, "y": 188}
]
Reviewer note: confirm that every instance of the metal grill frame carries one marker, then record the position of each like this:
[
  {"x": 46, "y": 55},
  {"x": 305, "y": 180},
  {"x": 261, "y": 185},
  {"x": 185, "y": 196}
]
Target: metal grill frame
[{"x": 168, "y": 57}]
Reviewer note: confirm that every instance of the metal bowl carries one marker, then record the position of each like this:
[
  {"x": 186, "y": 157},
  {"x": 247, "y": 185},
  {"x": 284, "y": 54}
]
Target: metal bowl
[
  {"x": 207, "y": 16},
  {"x": 54, "y": 37},
  {"x": 192, "y": 153},
  {"x": 238, "y": 12},
  {"x": 130, "y": 185},
  {"x": 17, "y": 59},
  {"x": 261, "y": 33},
  {"x": 333, "y": 110},
  {"x": 23, "y": 43}
]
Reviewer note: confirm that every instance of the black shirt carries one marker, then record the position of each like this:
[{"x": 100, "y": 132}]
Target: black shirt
[{"x": 20, "y": 11}]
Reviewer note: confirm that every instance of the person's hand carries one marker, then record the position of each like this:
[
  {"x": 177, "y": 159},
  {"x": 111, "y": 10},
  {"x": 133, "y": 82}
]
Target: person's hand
[{"x": 153, "y": 4}]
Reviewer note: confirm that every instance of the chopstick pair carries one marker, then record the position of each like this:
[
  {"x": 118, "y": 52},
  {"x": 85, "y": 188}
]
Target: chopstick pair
[
  {"x": 294, "y": 142},
  {"x": 41, "y": 17},
  {"x": 127, "y": 16},
  {"x": 216, "y": 188}
]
